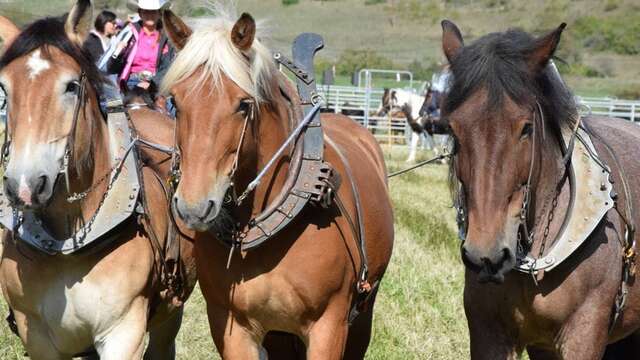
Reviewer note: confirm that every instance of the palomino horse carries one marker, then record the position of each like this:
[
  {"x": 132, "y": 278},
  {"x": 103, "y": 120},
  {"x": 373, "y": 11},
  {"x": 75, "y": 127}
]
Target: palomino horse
[
  {"x": 533, "y": 189},
  {"x": 412, "y": 107},
  {"x": 232, "y": 117},
  {"x": 108, "y": 294}
]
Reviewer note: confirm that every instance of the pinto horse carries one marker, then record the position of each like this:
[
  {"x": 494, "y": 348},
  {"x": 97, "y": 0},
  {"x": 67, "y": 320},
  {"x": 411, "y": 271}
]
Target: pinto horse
[
  {"x": 519, "y": 142},
  {"x": 232, "y": 117},
  {"x": 413, "y": 108},
  {"x": 109, "y": 294}
]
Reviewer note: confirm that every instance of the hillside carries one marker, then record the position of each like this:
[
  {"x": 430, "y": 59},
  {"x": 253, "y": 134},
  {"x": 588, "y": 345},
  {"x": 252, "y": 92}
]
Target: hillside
[{"x": 601, "y": 43}]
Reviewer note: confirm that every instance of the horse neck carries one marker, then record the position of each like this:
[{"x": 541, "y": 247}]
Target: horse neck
[
  {"x": 66, "y": 218},
  {"x": 550, "y": 178}
]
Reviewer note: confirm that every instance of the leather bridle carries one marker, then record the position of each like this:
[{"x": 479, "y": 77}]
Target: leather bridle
[{"x": 81, "y": 98}]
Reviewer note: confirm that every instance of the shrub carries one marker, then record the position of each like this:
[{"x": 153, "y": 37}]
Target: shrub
[
  {"x": 620, "y": 35},
  {"x": 289, "y": 2},
  {"x": 580, "y": 69},
  {"x": 630, "y": 93},
  {"x": 354, "y": 60}
]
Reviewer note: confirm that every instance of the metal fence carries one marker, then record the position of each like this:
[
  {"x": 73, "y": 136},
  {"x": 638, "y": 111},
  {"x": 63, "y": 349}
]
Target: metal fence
[{"x": 362, "y": 103}]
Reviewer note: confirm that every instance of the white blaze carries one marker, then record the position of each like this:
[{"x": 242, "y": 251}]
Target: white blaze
[{"x": 37, "y": 64}]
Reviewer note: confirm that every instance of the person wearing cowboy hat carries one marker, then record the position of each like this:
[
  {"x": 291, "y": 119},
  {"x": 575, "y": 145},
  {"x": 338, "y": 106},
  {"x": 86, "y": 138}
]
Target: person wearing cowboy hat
[{"x": 144, "y": 59}]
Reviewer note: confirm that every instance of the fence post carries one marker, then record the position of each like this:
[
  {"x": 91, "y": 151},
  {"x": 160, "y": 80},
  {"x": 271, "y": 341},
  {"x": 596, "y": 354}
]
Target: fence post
[{"x": 367, "y": 99}]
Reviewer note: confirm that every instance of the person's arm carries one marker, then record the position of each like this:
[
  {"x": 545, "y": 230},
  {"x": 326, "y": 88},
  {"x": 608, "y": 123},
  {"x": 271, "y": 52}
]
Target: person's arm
[{"x": 163, "y": 64}]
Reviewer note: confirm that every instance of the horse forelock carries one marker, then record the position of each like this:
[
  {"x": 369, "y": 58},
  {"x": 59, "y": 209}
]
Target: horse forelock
[
  {"x": 497, "y": 64},
  {"x": 211, "y": 52}
]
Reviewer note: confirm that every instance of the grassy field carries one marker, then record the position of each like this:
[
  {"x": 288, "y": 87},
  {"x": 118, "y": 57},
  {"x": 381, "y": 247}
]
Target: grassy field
[{"x": 419, "y": 311}]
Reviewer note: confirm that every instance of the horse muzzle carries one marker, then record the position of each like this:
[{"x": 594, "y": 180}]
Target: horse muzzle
[
  {"x": 490, "y": 266},
  {"x": 197, "y": 216},
  {"x": 29, "y": 190}
]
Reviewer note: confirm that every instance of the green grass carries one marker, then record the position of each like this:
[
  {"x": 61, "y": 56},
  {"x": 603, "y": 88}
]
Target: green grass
[{"x": 419, "y": 312}]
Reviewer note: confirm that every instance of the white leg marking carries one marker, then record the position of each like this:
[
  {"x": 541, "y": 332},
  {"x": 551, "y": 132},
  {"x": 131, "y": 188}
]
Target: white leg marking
[{"x": 37, "y": 64}]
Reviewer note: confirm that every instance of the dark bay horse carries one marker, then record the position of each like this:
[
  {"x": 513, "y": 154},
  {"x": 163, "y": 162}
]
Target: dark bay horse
[
  {"x": 109, "y": 294},
  {"x": 232, "y": 117},
  {"x": 512, "y": 177}
]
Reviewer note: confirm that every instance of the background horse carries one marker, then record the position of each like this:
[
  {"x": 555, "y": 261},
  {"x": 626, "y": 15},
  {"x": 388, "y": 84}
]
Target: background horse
[
  {"x": 507, "y": 109},
  {"x": 232, "y": 118},
  {"x": 107, "y": 296},
  {"x": 413, "y": 107}
]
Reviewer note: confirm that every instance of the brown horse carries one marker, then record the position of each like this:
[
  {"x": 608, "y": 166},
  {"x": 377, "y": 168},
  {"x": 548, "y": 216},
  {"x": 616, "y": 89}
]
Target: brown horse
[
  {"x": 302, "y": 280},
  {"x": 108, "y": 294},
  {"x": 519, "y": 144}
]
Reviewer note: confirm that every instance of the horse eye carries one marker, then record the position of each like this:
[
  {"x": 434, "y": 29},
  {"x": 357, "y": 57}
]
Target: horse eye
[
  {"x": 72, "y": 87},
  {"x": 244, "y": 106},
  {"x": 527, "y": 130}
]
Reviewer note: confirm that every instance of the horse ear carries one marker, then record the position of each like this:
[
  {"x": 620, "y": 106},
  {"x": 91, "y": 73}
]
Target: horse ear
[
  {"x": 544, "y": 48},
  {"x": 8, "y": 31},
  {"x": 244, "y": 32},
  {"x": 452, "y": 42},
  {"x": 79, "y": 21},
  {"x": 177, "y": 31}
]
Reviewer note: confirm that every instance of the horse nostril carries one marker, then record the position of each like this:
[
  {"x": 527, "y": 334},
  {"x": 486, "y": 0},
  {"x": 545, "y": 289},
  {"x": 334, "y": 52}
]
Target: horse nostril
[
  {"x": 208, "y": 209},
  {"x": 41, "y": 185}
]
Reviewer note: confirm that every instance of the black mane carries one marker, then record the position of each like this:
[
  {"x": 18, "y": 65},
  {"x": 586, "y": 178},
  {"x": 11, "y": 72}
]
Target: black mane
[
  {"x": 46, "y": 33},
  {"x": 497, "y": 62}
]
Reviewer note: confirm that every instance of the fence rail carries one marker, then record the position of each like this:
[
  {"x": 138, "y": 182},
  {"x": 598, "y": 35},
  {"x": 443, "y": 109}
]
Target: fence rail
[{"x": 361, "y": 104}]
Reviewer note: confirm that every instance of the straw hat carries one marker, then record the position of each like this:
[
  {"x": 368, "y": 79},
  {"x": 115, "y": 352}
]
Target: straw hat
[{"x": 134, "y": 5}]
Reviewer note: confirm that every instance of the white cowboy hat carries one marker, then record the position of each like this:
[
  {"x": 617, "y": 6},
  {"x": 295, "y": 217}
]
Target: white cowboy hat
[{"x": 134, "y": 5}]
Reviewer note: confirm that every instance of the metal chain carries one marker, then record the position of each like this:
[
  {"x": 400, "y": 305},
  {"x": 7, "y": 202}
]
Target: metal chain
[
  {"x": 545, "y": 234},
  {"x": 87, "y": 227},
  {"x": 81, "y": 196}
]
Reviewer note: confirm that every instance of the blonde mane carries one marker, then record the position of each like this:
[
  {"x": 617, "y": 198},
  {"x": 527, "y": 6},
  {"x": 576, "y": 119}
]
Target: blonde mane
[{"x": 211, "y": 49}]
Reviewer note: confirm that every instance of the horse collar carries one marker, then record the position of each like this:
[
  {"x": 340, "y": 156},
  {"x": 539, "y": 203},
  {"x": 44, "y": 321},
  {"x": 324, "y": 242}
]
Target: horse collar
[
  {"x": 590, "y": 200},
  {"x": 117, "y": 205}
]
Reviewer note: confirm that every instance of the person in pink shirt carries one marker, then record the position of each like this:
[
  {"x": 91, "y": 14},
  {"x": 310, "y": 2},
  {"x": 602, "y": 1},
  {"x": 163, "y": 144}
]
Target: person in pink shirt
[{"x": 145, "y": 58}]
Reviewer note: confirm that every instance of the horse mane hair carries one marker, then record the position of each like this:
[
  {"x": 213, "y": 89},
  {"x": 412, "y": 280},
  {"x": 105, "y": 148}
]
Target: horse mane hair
[
  {"x": 49, "y": 33},
  {"x": 211, "y": 49},
  {"x": 497, "y": 63}
]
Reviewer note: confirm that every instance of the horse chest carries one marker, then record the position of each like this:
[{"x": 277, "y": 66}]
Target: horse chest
[{"x": 75, "y": 300}]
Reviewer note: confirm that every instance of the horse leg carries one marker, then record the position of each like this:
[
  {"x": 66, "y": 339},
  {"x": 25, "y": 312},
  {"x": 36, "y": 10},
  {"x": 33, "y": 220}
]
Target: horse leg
[
  {"x": 125, "y": 341},
  {"x": 38, "y": 344},
  {"x": 162, "y": 343},
  {"x": 359, "y": 334},
  {"x": 541, "y": 354},
  {"x": 233, "y": 340},
  {"x": 415, "y": 138},
  {"x": 490, "y": 340},
  {"x": 625, "y": 349},
  {"x": 327, "y": 338},
  {"x": 584, "y": 337}
]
